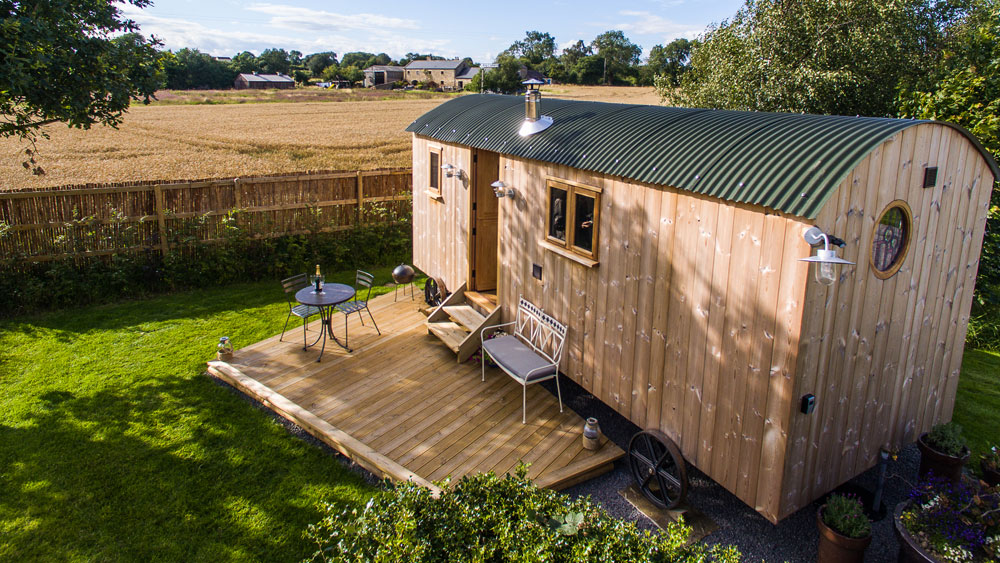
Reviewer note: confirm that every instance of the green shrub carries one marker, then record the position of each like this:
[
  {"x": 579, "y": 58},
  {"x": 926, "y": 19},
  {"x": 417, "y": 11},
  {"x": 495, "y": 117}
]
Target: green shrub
[
  {"x": 846, "y": 515},
  {"x": 947, "y": 439},
  {"x": 488, "y": 518}
]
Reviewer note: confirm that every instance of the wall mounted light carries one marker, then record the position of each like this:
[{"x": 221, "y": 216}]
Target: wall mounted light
[
  {"x": 826, "y": 259},
  {"x": 502, "y": 190},
  {"x": 449, "y": 170}
]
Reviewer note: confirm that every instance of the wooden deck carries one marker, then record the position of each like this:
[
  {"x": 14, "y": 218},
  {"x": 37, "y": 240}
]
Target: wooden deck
[{"x": 402, "y": 407}]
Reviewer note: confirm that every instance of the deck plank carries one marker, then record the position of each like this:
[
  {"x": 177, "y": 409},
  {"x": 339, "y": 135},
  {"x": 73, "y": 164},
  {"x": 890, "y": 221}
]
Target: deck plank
[{"x": 401, "y": 405}]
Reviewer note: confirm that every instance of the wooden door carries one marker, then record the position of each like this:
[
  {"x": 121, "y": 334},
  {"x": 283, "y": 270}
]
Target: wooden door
[{"x": 485, "y": 221}]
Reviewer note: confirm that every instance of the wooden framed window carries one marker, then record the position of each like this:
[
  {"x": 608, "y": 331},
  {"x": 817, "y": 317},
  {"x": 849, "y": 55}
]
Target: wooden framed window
[
  {"x": 572, "y": 218},
  {"x": 434, "y": 172},
  {"x": 891, "y": 239}
]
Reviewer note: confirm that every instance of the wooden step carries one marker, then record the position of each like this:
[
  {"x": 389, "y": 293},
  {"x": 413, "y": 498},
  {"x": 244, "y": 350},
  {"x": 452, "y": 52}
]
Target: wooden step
[
  {"x": 486, "y": 302},
  {"x": 466, "y": 316},
  {"x": 452, "y": 334}
]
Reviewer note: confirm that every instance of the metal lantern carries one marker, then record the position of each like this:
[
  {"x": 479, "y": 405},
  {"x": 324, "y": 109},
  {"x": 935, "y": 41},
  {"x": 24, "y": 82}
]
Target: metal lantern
[
  {"x": 826, "y": 259},
  {"x": 224, "y": 349}
]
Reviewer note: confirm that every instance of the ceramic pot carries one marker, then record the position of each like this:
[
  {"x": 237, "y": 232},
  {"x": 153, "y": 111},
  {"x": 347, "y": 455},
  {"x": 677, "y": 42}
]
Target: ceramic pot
[
  {"x": 991, "y": 476},
  {"x": 909, "y": 550},
  {"x": 942, "y": 465},
  {"x": 838, "y": 548}
]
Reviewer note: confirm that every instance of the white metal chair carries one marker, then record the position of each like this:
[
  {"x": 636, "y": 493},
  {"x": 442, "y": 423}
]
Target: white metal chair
[
  {"x": 291, "y": 286},
  {"x": 531, "y": 354},
  {"x": 361, "y": 279}
]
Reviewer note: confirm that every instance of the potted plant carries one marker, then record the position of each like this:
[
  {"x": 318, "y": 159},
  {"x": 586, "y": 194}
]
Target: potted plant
[
  {"x": 943, "y": 452},
  {"x": 948, "y": 521},
  {"x": 844, "y": 530},
  {"x": 990, "y": 464}
]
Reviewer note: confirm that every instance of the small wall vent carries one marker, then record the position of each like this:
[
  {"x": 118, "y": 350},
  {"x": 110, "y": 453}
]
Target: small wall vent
[{"x": 930, "y": 176}]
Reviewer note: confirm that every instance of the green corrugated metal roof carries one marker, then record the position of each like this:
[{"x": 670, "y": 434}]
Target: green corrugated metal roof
[{"x": 789, "y": 162}]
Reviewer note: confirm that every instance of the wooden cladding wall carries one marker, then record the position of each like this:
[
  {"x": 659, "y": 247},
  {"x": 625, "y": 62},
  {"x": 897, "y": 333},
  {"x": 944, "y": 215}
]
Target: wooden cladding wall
[
  {"x": 441, "y": 222},
  {"x": 883, "y": 356},
  {"x": 108, "y": 219},
  {"x": 689, "y": 324}
]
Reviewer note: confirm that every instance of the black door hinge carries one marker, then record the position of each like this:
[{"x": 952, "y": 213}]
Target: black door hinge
[
  {"x": 473, "y": 273},
  {"x": 473, "y": 231},
  {"x": 473, "y": 206},
  {"x": 475, "y": 158}
]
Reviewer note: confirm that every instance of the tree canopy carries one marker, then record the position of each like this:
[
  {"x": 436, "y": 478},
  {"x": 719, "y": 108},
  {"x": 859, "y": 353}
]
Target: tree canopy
[
  {"x": 189, "y": 69},
  {"x": 534, "y": 48},
  {"x": 814, "y": 56},
  {"x": 79, "y": 62},
  {"x": 620, "y": 55}
]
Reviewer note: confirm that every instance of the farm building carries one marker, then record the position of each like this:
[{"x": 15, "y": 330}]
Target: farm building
[
  {"x": 262, "y": 81},
  {"x": 377, "y": 75},
  {"x": 670, "y": 241},
  {"x": 444, "y": 73}
]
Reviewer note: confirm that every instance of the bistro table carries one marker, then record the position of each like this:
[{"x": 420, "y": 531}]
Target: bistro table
[{"x": 326, "y": 301}]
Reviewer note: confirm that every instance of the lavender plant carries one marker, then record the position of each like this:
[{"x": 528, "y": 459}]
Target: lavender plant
[
  {"x": 955, "y": 521},
  {"x": 846, "y": 515}
]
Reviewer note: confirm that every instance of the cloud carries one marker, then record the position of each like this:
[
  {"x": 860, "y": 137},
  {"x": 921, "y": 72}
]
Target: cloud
[
  {"x": 179, "y": 33},
  {"x": 646, "y": 23},
  {"x": 305, "y": 19}
]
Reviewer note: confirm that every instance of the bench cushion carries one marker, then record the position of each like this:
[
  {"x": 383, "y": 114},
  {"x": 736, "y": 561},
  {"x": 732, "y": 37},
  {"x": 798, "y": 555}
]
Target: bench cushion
[{"x": 519, "y": 359}]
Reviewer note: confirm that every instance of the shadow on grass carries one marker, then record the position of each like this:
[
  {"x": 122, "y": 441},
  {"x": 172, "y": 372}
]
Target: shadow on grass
[{"x": 170, "y": 470}]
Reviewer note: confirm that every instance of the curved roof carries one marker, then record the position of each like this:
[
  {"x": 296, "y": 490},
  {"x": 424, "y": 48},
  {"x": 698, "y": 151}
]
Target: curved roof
[{"x": 789, "y": 162}]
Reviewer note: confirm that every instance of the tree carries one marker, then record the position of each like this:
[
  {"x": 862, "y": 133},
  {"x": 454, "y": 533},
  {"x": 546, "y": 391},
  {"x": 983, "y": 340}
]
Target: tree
[
  {"x": 620, "y": 55},
  {"x": 275, "y": 61},
  {"x": 670, "y": 61},
  {"x": 245, "y": 63},
  {"x": 295, "y": 58},
  {"x": 61, "y": 62},
  {"x": 814, "y": 56},
  {"x": 358, "y": 58},
  {"x": 189, "y": 69},
  {"x": 318, "y": 62},
  {"x": 574, "y": 53},
  {"x": 535, "y": 48},
  {"x": 417, "y": 57},
  {"x": 504, "y": 79},
  {"x": 964, "y": 88},
  {"x": 588, "y": 70},
  {"x": 301, "y": 77}
]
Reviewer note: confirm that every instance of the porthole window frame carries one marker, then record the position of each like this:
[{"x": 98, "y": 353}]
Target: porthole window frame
[{"x": 908, "y": 238}]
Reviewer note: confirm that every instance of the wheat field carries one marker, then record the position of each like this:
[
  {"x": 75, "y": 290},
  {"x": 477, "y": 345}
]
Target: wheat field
[{"x": 178, "y": 142}]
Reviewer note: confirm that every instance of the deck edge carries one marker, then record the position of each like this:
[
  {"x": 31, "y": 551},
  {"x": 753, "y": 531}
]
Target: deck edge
[{"x": 339, "y": 440}]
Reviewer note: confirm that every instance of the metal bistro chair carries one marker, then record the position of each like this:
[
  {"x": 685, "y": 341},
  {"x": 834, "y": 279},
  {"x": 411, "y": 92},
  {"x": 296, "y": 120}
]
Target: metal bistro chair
[
  {"x": 361, "y": 279},
  {"x": 291, "y": 286}
]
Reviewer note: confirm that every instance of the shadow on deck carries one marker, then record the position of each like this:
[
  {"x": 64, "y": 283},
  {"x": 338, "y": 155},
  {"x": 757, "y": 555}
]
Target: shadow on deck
[{"x": 400, "y": 405}]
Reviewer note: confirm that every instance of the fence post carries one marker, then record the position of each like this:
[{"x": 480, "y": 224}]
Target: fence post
[
  {"x": 161, "y": 219},
  {"x": 361, "y": 198}
]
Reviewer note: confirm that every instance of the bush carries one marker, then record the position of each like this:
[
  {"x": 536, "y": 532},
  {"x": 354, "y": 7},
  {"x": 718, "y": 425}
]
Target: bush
[
  {"x": 846, "y": 515},
  {"x": 488, "y": 518},
  {"x": 947, "y": 439}
]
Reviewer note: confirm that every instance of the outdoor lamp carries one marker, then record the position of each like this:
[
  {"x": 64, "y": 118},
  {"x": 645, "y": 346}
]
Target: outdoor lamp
[
  {"x": 449, "y": 170},
  {"x": 501, "y": 190},
  {"x": 826, "y": 259}
]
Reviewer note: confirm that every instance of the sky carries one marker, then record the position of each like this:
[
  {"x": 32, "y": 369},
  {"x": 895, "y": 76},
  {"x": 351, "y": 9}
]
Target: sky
[{"x": 450, "y": 29}]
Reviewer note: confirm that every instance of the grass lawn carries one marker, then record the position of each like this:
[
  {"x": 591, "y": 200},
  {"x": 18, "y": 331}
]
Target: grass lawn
[
  {"x": 977, "y": 404},
  {"x": 114, "y": 446}
]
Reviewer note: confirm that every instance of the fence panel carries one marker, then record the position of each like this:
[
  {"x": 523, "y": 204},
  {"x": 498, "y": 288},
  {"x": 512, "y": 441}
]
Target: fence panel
[{"x": 94, "y": 220}]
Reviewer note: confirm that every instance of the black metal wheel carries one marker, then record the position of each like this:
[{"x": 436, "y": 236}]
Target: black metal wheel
[
  {"x": 432, "y": 293},
  {"x": 658, "y": 468}
]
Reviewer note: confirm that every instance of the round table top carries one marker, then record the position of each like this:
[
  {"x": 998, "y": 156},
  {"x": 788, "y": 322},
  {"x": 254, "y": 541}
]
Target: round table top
[{"x": 332, "y": 294}]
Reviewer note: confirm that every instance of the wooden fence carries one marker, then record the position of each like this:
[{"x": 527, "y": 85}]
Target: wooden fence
[{"x": 98, "y": 220}]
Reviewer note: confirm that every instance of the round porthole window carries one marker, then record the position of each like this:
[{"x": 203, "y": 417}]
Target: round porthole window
[{"x": 891, "y": 239}]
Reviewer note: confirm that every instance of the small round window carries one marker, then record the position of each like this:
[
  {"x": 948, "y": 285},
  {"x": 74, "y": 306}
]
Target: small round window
[{"x": 891, "y": 239}]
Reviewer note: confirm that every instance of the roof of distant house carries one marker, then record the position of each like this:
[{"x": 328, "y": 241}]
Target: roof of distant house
[
  {"x": 384, "y": 68},
  {"x": 434, "y": 65},
  {"x": 266, "y": 78},
  {"x": 468, "y": 73}
]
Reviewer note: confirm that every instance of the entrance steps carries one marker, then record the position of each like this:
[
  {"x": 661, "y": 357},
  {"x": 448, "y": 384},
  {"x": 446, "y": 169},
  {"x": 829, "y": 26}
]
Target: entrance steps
[{"x": 460, "y": 317}]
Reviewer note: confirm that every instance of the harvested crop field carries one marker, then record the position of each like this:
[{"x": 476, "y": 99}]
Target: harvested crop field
[{"x": 178, "y": 140}]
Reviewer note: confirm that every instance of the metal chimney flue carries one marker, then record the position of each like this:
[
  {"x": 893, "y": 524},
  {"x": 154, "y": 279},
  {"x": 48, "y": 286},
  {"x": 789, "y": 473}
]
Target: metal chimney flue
[{"x": 533, "y": 122}]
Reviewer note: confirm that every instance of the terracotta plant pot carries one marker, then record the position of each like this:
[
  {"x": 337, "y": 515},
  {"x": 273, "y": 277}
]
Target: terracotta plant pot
[
  {"x": 991, "y": 476},
  {"x": 942, "y": 465},
  {"x": 837, "y": 548},
  {"x": 909, "y": 550}
]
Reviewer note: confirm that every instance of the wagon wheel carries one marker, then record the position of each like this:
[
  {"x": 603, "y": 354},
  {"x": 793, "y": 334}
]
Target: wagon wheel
[
  {"x": 432, "y": 293},
  {"x": 658, "y": 468}
]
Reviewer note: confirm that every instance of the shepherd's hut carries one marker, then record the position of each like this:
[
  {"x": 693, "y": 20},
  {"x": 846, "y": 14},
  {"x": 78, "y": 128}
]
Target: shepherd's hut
[{"x": 671, "y": 242}]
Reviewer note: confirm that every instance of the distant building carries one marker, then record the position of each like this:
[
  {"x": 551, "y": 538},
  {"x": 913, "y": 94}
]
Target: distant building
[
  {"x": 448, "y": 74},
  {"x": 377, "y": 75},
  {"x": 263, "y": 81},
  {"x": 462, "y": 80},
  {"x": 527, "y": 74}
]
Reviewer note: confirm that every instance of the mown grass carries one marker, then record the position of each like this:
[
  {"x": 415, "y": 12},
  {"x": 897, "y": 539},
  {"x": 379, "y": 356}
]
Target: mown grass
[
  {"x": 977, "y": 404},
  {"x": 115, "y": 446}
]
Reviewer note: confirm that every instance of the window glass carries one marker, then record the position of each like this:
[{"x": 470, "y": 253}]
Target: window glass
[
  {"x": 583, "y": 219},
  {"x": 557, "y": 213},
  {"x": 890, "y": 239},
  {"x": 435, "y": 171}
]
